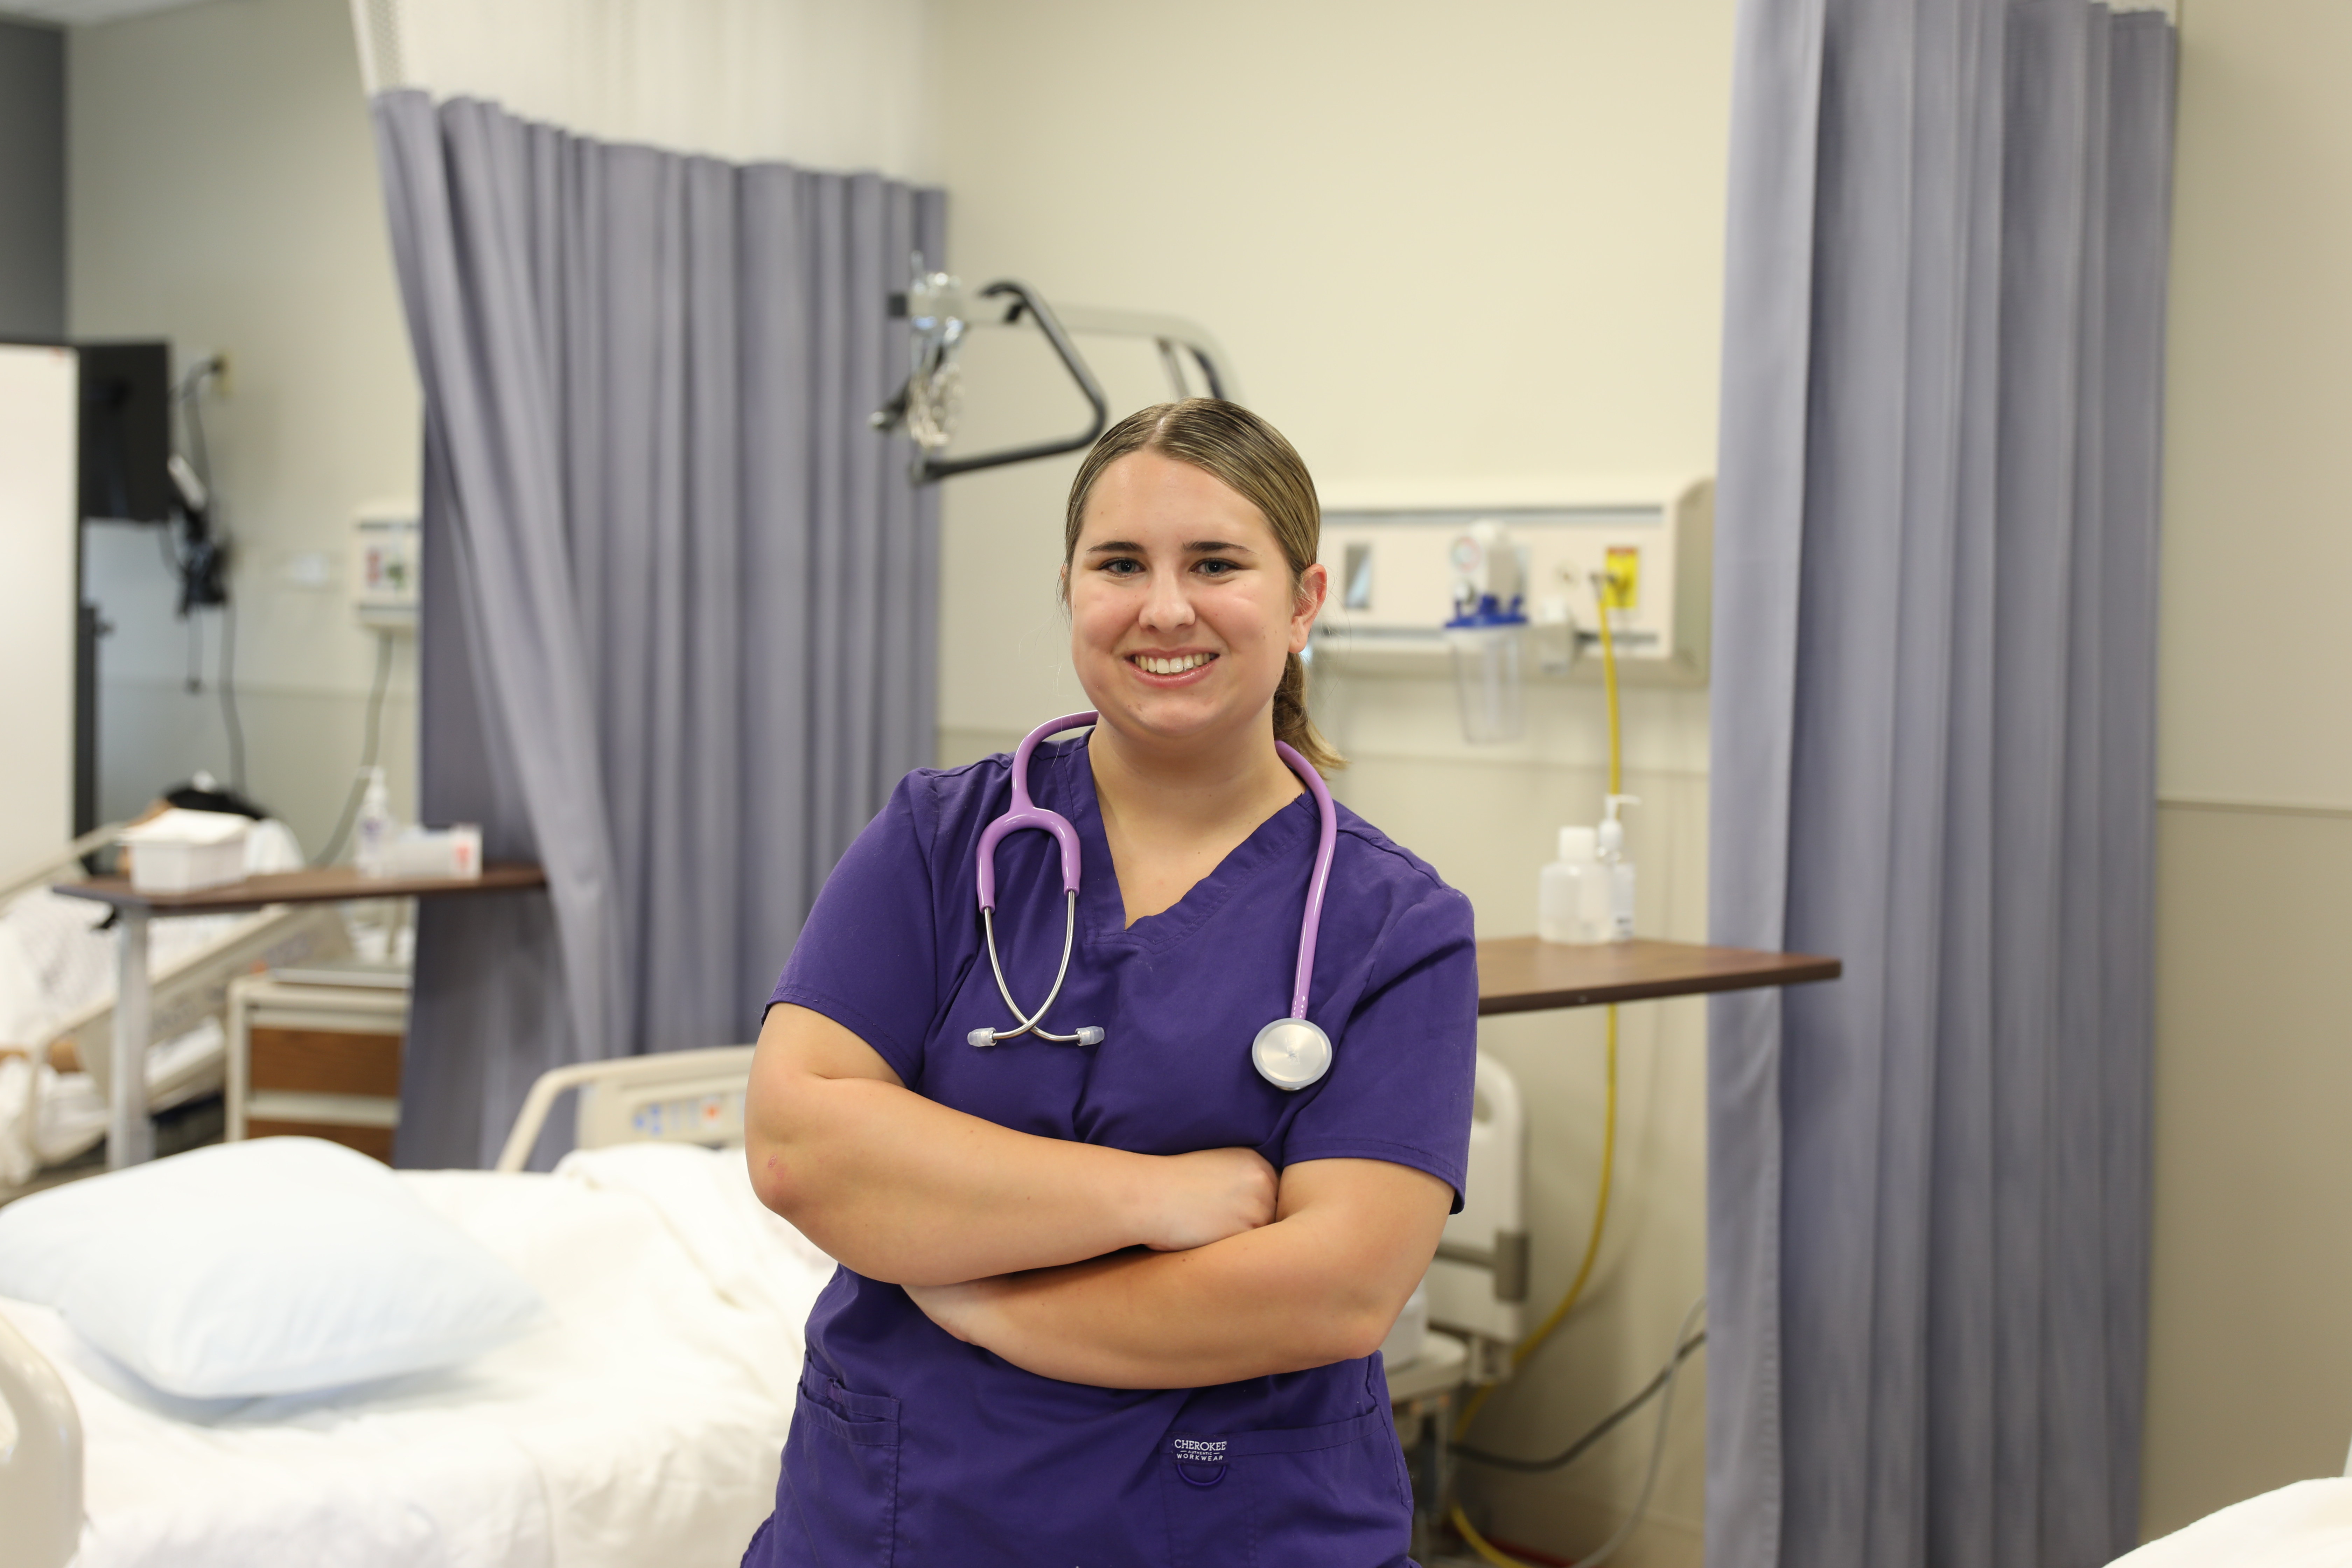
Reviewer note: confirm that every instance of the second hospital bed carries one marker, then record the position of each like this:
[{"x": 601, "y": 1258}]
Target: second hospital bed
[{"x": 58, "y": 966}]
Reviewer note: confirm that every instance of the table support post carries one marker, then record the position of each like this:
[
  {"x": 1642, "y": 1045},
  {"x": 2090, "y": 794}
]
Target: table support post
[{"x": 129, "y": 1135}]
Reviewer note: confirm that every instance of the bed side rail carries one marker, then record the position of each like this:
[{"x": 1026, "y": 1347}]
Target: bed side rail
[
  {"x": 196, "y": 987},
  {"x": 40, "y": 1468},
  {"x": 668, "y": 1097}
]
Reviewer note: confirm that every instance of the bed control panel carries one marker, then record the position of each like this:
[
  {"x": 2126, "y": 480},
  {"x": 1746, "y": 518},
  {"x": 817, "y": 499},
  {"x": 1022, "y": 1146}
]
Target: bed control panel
[{"x": 696, "y": 1119}]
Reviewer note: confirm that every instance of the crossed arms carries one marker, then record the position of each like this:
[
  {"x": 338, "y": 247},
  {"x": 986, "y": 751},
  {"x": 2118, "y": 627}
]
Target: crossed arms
[{"x": 1075, "y": 1261}]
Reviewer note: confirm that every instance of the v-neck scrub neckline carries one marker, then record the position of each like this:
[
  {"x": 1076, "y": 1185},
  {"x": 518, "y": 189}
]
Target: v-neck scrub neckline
[
  {"x": 1271, "y": 847},
  {"x": 909, "y": 1446}
]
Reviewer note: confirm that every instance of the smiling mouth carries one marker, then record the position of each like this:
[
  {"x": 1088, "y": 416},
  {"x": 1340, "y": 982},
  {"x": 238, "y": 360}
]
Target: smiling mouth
[{"x": 1169, "y": 664}]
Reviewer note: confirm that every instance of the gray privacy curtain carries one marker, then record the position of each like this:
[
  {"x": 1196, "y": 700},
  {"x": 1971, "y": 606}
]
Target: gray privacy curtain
[
  {"x": 678, "y": 627},
  {"x": 1934, "y": 715}
]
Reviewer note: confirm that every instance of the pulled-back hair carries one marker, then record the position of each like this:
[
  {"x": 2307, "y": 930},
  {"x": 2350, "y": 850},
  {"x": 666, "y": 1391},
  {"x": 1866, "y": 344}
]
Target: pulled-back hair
[{"x": 1230, "y": 443}]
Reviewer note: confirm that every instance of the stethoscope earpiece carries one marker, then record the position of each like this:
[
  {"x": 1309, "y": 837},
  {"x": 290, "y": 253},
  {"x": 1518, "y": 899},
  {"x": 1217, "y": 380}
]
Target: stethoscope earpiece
[{"x": 1290, "y": 1053}]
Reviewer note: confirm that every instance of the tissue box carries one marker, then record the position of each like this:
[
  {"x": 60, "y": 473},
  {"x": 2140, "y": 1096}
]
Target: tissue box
[
  {"x": 437, "y": 852},
  {"x": 179, "y": 851}
]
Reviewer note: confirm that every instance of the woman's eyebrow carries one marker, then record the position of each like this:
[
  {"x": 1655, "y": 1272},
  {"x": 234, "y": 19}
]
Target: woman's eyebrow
[{"x": 1198, "y": 547}]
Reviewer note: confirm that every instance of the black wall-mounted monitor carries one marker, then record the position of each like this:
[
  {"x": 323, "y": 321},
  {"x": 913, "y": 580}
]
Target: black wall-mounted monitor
[{"x": 126, "y": 431}]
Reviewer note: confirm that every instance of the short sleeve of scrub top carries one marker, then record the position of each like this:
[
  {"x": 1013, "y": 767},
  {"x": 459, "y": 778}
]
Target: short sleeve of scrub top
[
  {"x": 867, "y": 955},
  {"x": 989, "y": 1464}
]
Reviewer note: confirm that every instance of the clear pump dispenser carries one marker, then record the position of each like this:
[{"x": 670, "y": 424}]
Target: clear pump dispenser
[{"x": 1572, "y": 902}]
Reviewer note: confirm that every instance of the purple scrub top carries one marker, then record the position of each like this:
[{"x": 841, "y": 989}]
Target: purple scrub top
[{"x": 909, "y": 1447}]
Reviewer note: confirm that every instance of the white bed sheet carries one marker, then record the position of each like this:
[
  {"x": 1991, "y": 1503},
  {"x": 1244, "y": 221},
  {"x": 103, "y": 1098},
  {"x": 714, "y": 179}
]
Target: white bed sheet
[
  {"x": 2306, "y": 1525},
  {"x": 641, "y": 1426}
]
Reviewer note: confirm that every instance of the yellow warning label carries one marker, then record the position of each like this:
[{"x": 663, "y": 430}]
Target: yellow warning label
[{"x": 1624, "y": 577}]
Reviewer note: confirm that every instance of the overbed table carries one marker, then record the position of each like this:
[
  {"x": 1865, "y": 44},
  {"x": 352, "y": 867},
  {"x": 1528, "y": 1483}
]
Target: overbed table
[
  {"x": 130, "y": 1135},
  {"x": 1520, "y": 974}
]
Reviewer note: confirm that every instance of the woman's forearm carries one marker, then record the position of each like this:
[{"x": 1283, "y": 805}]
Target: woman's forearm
[
  {"x": 1322, "y": 1284},
  {"x": 905, "y": 1189}
]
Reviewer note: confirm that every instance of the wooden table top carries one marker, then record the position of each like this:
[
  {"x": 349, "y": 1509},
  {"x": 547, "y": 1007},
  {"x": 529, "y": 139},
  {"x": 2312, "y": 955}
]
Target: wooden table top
[
  {"x": 311, "y": 885},
  {"x": 1521, "y": 975}
]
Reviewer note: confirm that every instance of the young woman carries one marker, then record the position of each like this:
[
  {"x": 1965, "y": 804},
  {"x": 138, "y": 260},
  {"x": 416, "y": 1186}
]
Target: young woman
[{"x": 1117, "y": 1299}]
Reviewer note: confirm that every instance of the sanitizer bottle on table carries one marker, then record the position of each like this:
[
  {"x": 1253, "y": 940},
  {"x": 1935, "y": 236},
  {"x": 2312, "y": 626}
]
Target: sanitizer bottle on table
[
  {"x": 1571, "y": 893},
  {"x": 1620, "y": 871},
  {"x": 372, "y": 845}
]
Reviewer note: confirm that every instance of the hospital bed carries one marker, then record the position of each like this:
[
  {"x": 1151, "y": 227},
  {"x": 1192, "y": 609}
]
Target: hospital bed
[
  {"x": 641, "y": 1425},
  {"x": 56, "y": 991}
]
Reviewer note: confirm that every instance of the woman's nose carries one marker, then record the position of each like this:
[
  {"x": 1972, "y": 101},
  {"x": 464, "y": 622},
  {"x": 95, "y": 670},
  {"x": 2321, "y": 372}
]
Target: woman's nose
[{"x": 1167, "y": 605}]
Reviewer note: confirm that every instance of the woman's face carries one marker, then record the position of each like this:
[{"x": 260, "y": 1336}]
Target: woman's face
[{"x": 1182, "y": 607}]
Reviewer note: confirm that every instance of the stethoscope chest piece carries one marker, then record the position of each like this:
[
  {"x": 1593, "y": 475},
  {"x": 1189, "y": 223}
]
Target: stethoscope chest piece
[{"x": 1291, "y": 1053}]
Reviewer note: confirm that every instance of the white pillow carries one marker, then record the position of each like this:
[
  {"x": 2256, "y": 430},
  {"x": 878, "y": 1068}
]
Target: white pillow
[{"x": 278, "y": 1265}]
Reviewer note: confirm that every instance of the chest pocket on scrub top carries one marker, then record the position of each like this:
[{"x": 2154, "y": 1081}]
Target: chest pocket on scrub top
[
  {"x": 840, "y": 1490},
  {"x": 1311, "y": 1497}
]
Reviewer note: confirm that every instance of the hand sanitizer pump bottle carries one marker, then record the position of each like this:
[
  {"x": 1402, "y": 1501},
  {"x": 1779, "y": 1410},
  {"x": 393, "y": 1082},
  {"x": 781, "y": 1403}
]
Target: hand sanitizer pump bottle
[
  {"x": 1612, "y": 850},
  {"x": 372, "y": 845},
  {"x": 1570, "y": 892}
]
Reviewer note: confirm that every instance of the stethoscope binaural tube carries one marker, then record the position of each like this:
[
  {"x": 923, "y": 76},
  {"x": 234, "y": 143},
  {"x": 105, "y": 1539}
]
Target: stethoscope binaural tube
[
  {"x": 1290, "y": 1053},
  {"x": 1025, "y": 813}
]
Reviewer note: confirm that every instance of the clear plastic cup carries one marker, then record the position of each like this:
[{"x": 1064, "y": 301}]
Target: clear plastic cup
[{"x": 1490, "y": 678}]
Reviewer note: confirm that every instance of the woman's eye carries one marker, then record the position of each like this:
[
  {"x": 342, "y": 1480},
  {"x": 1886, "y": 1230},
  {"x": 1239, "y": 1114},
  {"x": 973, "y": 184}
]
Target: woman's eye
[
  {"x": 1214, "y": 567},
  {"x": 1122, "y": 566}
]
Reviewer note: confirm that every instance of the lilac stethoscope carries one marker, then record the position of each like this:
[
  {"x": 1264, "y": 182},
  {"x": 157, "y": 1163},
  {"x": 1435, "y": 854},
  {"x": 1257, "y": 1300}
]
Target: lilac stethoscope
[{"x": 1290, "y": 1053}]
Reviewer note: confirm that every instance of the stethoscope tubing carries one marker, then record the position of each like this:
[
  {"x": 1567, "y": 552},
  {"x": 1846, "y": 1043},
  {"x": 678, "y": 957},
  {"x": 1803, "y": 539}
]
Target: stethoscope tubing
[{"x": 1327, "y": 837}]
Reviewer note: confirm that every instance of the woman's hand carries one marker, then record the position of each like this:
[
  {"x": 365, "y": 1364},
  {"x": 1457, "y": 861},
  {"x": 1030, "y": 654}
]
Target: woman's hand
[{"x": 1208, "y": 1196}]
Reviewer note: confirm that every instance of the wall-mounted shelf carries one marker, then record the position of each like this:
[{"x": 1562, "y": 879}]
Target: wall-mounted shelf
[{"x": 1387, "y": 549}]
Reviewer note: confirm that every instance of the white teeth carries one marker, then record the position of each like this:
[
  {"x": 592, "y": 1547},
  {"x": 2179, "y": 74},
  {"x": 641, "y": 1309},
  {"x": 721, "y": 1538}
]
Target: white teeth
[{"x": 1171, "y": 665}]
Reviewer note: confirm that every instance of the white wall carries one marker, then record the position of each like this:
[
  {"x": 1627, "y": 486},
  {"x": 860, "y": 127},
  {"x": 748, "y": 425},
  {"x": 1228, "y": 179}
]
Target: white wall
[
  {"x": 1443, "y": 244},
  {"x": 831, "y": 84},
  {"x": 222, "y": 192},
  {"x": 38, "y": 477},
  {"x": 2251, "y": 1367}
]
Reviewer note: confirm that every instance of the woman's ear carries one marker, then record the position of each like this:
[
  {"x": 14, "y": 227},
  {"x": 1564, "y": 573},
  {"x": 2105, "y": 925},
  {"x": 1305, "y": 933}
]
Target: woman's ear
[{"x": 1314, "y": 588}]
